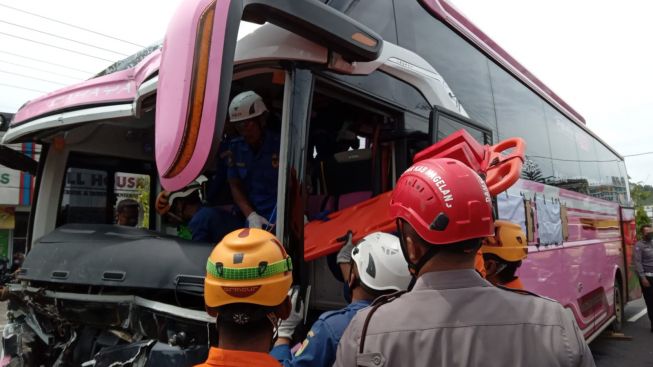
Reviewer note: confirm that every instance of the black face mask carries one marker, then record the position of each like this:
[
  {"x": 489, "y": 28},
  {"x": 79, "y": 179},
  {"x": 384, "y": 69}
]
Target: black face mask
[{"x": 648, "y": 236}]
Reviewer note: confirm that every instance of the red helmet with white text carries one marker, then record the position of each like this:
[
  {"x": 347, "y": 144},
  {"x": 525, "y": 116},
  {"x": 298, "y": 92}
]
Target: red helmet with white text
[{"x": 444, "y": 201}]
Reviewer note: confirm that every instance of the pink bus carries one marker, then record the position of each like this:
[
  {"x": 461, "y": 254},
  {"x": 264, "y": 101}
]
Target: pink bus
[{"x": 397, "y": 78}]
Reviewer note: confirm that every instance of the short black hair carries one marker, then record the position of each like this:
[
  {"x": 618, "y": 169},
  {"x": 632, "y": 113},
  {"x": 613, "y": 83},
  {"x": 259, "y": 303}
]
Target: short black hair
[
  {"x": 241, "y": 320},
  {"x": 126, "y": 203}
]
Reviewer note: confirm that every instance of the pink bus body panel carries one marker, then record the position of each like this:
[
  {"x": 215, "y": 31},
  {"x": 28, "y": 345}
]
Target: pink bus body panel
[
  {"x": 114, "y": 88},
  {"x": 172, "y": 106},
  {"x": 580, "y": 273}
]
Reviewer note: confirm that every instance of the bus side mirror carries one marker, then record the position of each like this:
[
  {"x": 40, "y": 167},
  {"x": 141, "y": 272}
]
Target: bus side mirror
[{"x": 319, "y": 23}]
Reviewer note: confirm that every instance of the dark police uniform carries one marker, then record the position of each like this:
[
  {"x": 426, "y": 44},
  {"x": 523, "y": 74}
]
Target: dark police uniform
[
  {"x": 320, "y": 346},
  {"x": 259, "y": 172},
  {"x": 456, "y": 318},
  {"x": 643, "y": 259}
]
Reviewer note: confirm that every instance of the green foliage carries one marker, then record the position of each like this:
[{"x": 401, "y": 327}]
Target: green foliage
[{"x": 641, "y": 195}]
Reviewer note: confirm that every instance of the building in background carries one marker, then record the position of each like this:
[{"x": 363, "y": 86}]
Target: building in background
[{"x": 16, "y": 192}]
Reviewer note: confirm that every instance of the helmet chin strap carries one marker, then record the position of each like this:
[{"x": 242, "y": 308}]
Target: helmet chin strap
[
  {"x": 415, "y": 268},
  {"x": 500, "y": 268}
]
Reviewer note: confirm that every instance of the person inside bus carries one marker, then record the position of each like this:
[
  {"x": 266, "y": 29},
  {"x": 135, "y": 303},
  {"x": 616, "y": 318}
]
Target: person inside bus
[
  {"x": 246, "y": 305},
  {"x": 254, "y": 165},
  {"x": 127, "y": 213},
  {"x": 186, "y": 208},
  {"x": 503, "y": 254},
  {"x": 377, "y": 268},
  {"x": 643, "y": 259}
]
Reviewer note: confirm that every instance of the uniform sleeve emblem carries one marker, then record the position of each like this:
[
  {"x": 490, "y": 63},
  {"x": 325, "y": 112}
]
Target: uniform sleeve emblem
[{"x": 304, "y": 344}]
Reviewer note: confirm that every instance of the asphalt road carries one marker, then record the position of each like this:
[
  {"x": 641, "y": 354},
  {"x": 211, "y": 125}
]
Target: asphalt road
[
  {"x": 608, "y": 352},
  {"x": 636, "y": 350}
]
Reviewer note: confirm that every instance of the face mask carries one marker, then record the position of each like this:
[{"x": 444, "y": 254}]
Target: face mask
[{"x": 648, "y": 236}]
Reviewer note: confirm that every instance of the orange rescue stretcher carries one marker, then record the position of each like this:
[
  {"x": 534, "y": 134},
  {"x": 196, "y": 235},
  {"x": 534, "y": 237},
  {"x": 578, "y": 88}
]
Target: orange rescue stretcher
[{"x": 500, "y": 165}]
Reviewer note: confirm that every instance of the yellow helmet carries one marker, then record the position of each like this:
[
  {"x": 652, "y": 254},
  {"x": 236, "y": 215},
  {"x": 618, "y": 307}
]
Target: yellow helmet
[
  {"x": 248, "y": 266},
  {"x": 509, "y": 242}
]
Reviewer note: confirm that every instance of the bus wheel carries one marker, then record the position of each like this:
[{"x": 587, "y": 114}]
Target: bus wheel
[{"x": 617, "y": 324}]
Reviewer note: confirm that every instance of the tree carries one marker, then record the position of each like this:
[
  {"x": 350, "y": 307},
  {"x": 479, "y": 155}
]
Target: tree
[
  {"x": 641, "y": 195},
  {"x": 531, "y": 171}
]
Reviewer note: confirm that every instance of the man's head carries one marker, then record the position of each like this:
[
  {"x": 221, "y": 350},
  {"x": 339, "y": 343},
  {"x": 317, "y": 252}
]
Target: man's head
[
  {"x": 504, "y": 252},
  {"x": 181, "y": 205},
  {"x": 441, "y": 207},
  {"x": 378, "y": 267},
  {"x": 127, "y": 213},
  {"x": 248, "y": 114},
  {"x": 248, "y": 276},
  {"x": 647, "y": 232}
]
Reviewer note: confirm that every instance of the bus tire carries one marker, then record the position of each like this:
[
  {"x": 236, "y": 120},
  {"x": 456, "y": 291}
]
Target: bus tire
[{"x": 617, "y": 324}]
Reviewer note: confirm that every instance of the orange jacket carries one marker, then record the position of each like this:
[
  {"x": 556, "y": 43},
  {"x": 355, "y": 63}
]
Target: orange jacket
[
  {"x": 514, "y": 284},
  {"x": 219, "y": 357},
  {"x": 479, "y": 263}
]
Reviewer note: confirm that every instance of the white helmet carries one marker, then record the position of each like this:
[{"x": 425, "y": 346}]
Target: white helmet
[
  {"x": 381, "y": 265},
  {"x": 245, "y": 106},
  {"x": 196, "y": 185}
]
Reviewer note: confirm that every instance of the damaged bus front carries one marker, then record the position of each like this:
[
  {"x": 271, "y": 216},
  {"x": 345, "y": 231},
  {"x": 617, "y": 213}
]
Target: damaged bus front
[{"x": 95, "y": 293}]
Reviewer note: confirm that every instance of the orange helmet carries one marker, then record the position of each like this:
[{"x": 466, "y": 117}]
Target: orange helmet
[
  {"x": 509, "y": 242},
  {"x": 248, "y": 266}
]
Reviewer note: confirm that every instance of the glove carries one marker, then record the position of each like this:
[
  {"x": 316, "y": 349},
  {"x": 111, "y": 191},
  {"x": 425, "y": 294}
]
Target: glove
[
  {"x": 162, "y": 205},
  {"x": 344, "y": 255},
  {"x": 256, "y": 221},
  {"x": 288, "y": 326}
]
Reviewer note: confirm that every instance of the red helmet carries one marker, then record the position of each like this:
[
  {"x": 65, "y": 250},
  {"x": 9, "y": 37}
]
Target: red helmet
[{"x": 444, "y": 201}]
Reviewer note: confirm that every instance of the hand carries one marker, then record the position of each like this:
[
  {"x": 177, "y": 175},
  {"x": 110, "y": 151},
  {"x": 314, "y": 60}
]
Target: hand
[
  {"x": 288, "y": 326},
  {"x": 256, "y": 221},
  {"x": 645, "y": 282},
  {"x": 162, "y": 205}
]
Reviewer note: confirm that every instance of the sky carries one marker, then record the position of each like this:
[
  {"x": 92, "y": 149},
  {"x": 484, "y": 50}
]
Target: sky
[{"x": 596, "y": 55}]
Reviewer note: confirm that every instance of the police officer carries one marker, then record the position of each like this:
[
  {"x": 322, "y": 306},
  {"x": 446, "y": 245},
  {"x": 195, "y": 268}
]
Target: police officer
[
  {"x": 452, "y": 316},
  {"x": 377, "y": 268},
  {"x": 254, "y": 166},
  {"x": 248, "y": 276},
  {"x": 643, "y": 259},
  {"x": 503, "y": 254}
]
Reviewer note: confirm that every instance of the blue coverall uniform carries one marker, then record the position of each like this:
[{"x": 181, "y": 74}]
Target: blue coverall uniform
[
  {"x": 258, "y": 171},
  {"x": 320, "y": 346},
  {"x": 211, "y": 224}
]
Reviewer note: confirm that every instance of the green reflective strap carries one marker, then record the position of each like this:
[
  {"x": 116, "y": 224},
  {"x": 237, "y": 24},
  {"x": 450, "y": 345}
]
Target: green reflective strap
[{"x": 219, "y": 271}]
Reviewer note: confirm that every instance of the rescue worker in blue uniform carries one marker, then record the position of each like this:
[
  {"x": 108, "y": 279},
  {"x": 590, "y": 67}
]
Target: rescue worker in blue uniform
[
  {"x": 377, "y": 268},
  {"x": 254, "y": 165},
  {"x": 186, "y": 207}
]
